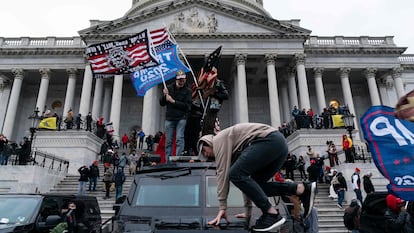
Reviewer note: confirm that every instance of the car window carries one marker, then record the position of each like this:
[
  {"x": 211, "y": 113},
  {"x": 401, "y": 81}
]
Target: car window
[
  {"x": 18, "y": 210},
  {"x": 235, "y": 198},
  {"x": 184, "y": 192}
]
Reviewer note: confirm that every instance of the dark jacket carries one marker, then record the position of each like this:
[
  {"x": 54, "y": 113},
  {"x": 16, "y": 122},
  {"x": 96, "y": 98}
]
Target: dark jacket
[
  {"x": 119, "y": 178},
  {"x": 368, "y": 186},
  {"x": 313, "y": 171},
  {"x": 84, "y": 173},
  {"x": 182, "y": 106},
  {"x": 342, "y": 183},
  {"x": 93, "y": 171}
]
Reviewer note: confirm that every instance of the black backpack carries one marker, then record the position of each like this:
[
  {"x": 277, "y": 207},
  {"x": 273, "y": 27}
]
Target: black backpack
[{"x": 350, "y": 214}]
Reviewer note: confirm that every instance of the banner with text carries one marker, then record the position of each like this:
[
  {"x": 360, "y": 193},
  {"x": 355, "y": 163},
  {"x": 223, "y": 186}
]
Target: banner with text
[
  {"x": 170, "y": 63},
  {"x": 391, "y": 142}
]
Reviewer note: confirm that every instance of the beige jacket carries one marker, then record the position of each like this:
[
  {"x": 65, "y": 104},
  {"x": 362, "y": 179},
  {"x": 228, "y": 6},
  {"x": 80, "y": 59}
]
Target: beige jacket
[{"x": 225, "y": 144}]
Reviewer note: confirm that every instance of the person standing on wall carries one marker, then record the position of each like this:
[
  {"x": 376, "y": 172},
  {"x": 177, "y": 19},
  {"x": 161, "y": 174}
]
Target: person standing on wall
[{"x": 177, "y": 99}]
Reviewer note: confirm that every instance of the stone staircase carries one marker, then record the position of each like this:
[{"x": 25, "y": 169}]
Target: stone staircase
[
  {"x": 70, "y": 186},
  {"x": 330, "y": 217}
]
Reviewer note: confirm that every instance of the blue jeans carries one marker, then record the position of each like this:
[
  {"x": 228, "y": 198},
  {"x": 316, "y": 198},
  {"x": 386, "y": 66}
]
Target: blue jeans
[
  {"x": 358, "y": 195},
  {"x": 92, "y": 180},
  {"x": 257, "y": 163},
  {"x": 179, "y": 127},
  {"x": 118, "y": 192},
  {"x": 341, "y": 196},
  {"x": 81, "y": 188}
]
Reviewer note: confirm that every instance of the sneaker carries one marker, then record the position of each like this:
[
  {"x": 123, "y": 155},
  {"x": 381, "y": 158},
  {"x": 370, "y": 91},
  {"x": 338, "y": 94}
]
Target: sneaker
[
  {"x": 339, "y": 206},
  {"x": 267, "y": 222},
  {"x": 308, "y": 197}
]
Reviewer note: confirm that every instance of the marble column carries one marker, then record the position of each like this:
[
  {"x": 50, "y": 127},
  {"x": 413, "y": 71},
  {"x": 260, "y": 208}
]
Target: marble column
[
  {"x": 293, "y": 94},
  {"x": 302, "y": 81},
  {"x": 285, "y": 101},
  {"x": 242, "y": 88},
  {"x": 85, "y": 100},
  {"x": 320, "y": 92},
  {"x": 234, "y": 96},
  {"x": 13, "y": 103},
  {"x": 97, "y": 98},
  {"x": 385, "y": 84},
  {"x": 346, "y": 88},
  {"x": 44, "y": 86},
  {"x": 115, "y": 115},
  {"x": 70, "y": 91},
  {"x": 398, "y": 82},
  {"x": 5, "y": 90},
  {"x": 273, "y": 92},
  {"x": 372, "y": 85},
  {"x": 106, "y": 106},
  {"x": 149, "y": 111}
]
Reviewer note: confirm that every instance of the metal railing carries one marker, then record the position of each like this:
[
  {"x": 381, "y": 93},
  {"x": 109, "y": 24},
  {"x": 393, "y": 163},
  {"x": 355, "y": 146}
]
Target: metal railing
[{"x": 41, "y": 159}]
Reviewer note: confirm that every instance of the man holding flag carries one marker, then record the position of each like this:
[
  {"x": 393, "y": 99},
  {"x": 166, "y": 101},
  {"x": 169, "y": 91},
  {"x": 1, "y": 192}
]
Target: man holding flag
[{"x": 177, "y": 99}]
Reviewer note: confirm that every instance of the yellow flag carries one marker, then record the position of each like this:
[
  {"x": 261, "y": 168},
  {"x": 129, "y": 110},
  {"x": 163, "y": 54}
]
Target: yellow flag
[
  {"x": 337, "y": 121},
  {"x": 48, "y": 123}
]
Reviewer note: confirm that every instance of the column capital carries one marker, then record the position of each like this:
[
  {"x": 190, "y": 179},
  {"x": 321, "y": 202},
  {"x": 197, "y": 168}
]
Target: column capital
[
  {"x": 396, "y": 72},
  {"x": 18, "y": 73},
  {"x": 241, "y": 59},
  {"x": 270, "y": 58},
  {"x": 44, "y": 72},
  {"x": 318, "y": 70},
  {"x": 370, "y": 72},
  {"x": 300, "y": 58},
  {"x": 72, "y": 72},
  {"x": 344, "y": 71},
  {"x": 387, "y": 82}
]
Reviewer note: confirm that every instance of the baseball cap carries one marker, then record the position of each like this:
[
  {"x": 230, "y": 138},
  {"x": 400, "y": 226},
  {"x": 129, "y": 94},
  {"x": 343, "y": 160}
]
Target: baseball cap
[{"x": 180, "y": 75}]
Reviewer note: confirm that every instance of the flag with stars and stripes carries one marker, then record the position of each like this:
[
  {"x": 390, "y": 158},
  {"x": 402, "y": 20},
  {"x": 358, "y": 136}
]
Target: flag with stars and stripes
[
  {"x": 122, "y": 56},
  {"x": 391, "y": 143}
]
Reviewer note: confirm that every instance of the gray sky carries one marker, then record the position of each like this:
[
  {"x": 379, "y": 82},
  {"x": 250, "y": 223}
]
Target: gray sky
[{"x": 324, "y": 17}]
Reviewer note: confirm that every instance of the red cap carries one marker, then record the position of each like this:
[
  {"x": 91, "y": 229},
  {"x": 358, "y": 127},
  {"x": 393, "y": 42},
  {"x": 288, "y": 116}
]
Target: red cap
[
  {"x": 312, "y": 161},
  {"x": 357, "y": 169}
]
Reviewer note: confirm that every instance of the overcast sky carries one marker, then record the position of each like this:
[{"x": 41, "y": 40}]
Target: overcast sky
[{"x": 42, "y": 18}]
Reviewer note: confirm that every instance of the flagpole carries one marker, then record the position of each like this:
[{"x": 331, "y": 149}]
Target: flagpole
[
  {"x": 191, "y": 69},
  {"x": 156, "y": 54}
]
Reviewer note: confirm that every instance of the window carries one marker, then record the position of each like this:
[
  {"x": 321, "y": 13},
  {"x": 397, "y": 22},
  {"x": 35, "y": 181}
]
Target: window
[
  {"x": 182, "y": 192},
  {"x": 235, "y": 198}
]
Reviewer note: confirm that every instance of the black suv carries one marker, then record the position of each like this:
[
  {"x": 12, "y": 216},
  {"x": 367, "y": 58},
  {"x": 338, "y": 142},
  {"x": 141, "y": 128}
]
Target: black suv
[
  {"x": 39, "y": 213},
  {"x": 181, "y": 197}
]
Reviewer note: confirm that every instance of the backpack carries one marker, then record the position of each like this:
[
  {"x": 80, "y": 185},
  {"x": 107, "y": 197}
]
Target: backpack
[{"x": 350, "y": 214}]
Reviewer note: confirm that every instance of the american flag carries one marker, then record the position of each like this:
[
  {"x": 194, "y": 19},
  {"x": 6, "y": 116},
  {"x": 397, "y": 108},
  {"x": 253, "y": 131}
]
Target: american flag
[
  {"x": 160, "y": 39},
  {"x": 122, "y": 56}
]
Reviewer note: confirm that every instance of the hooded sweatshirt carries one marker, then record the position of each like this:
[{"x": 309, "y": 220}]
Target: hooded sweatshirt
[{"x": 225, "y": 144}]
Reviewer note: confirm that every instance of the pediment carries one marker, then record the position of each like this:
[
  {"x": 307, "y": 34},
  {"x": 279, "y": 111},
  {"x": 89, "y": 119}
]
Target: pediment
[{"x": 197, "y": 17}]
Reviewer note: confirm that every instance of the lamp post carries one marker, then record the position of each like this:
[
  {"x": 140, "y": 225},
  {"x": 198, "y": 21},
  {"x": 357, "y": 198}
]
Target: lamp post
[
  {"x": 348, "y": 120},
  {"x": 34, "y": 117}
]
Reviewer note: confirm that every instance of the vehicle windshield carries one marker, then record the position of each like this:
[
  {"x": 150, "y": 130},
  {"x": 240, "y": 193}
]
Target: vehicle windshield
[
  {"x": 17, "y": 210},
  {"x": 235, "y": 198},
  {"x": 183, "y": 192}
]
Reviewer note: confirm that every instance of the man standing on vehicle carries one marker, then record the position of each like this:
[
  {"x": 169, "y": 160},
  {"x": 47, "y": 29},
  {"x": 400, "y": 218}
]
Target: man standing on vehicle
[
  {"x": 177, "y": 98},
  {"x": 248, "y": 155}
]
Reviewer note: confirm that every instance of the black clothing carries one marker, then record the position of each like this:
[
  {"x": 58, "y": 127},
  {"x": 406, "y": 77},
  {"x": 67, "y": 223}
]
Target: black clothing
[
  {"x": 182, "y": 106},
  {"x": 89, "y": 123},
  {"x": 368, "y": 186},
  {"x": 84, "y": 173}
]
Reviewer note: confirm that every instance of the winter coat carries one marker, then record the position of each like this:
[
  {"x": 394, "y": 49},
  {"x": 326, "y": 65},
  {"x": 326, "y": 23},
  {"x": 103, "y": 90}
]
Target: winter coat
[
  {"x": 84, "y": 173},
  {"x": 93, "y": 171},
  {"x": 182, "y": 106},
  {"x": 368, "y": 186}
]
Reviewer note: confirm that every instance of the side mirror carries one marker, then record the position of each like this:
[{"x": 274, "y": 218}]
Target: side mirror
[{"x": 53, "y": 220}]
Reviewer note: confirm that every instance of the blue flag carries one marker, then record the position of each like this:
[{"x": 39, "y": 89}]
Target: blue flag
[
  {"x": 170, "y": 63},
  {"x": 391, "y": 142}
]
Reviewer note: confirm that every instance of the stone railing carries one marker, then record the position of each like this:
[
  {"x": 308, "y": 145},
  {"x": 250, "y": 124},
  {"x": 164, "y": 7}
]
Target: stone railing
[
  {"x": 41, "y": 42},
  {"x": 407, "y": 59},
  {"x": 341, "y": 41}
]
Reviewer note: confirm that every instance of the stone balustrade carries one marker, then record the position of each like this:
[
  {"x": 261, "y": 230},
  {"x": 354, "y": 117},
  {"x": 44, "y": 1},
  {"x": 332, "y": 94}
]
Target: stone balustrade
[
  {"x": 341, "y": 41},
  {"x": 55, "y": 42}
]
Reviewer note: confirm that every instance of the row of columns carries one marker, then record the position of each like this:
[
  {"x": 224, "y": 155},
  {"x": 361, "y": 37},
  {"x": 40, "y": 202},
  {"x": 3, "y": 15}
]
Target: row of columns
[{"x": 111, "y": 104}]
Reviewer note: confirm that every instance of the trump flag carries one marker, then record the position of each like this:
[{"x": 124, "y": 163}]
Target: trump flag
[
  {"x": 170, "y": 63},
  {"x": 122, "y": 56},
  {"x": 391, "y": 142}
]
